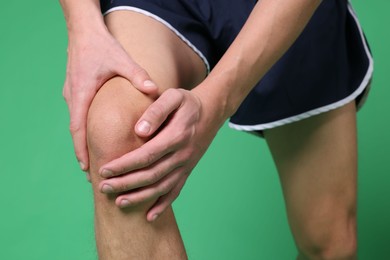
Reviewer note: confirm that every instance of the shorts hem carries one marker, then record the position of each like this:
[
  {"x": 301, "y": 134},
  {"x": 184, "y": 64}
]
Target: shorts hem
[{"x": 364, "y": 87}]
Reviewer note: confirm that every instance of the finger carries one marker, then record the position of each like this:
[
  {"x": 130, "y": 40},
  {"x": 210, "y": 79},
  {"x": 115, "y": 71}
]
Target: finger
[
  {"x": 151, "y": 192},
  {"x": 156, "y": 114},
  {"x": 78, "y": 118},
  {"x": 149, "y": 153},
  {"x": 142, "y": 178},
  {"x": 138, "y": 77},
  {"x": 164, "y": 202},
  {"x": 82, "y": 156}
]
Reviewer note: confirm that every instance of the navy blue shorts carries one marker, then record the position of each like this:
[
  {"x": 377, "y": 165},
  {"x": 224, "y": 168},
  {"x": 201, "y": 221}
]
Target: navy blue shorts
[{"x": 328, "y": 66}]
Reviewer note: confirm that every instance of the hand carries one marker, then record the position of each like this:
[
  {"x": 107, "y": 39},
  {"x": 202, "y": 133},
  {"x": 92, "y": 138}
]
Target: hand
[
  {"x": 94, "y": 57},
  {"x": 158, "y": 169}
]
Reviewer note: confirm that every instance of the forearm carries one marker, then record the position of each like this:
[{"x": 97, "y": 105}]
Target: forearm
[
  {"x": 82, "y": 15},
  {"x": 269, "y": 31}
]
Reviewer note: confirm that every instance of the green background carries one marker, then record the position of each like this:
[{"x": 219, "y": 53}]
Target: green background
[{"x": 231, "y": 207}]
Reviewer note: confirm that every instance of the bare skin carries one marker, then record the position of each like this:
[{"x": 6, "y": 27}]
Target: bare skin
[
  {"x": 124, "y": 233},
  {"x": 317, "y": 164},
  {"x": 254, "y": 50},
  {"x": 94, "y": 56},
  {"x": 161, "y": 175}
]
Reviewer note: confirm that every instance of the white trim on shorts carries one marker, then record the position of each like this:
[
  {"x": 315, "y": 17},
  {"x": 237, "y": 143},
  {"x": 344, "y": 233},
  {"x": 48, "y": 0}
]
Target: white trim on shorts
[
  {"x": 364, "y": 84},
  {"x": 168, "y": 25}
]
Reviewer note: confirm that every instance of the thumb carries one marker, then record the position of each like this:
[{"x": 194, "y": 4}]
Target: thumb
[
  {"x": 138, "y": 77},
  {"x": 158, "y": 112}
]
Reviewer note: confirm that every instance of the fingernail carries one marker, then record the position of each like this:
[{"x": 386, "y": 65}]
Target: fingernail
[
  {"x": 82, "y": 166},
  {"x": 149, "y": 84},
  {"x": 154, "y": 217},
  {"x": 107, "y": 189},
  {"x": 106, "y": 173},
  {"x": 124, "y": 203},
  {"x": 143, "y": 127}
]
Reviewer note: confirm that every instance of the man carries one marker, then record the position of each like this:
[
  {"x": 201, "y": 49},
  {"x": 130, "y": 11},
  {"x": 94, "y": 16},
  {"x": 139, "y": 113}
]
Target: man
[{"x": 179, "y": 110}]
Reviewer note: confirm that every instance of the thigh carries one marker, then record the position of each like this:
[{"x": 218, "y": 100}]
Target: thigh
[
  {"x": 317, "y": 163},
  {"x": 169, "y": 61}
]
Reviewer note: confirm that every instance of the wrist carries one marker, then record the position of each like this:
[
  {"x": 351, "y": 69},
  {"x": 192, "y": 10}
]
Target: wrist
[
  {"x": 82, "y": 16},
  {"x": 223, "y": 91},
  {"x": 214, "y": 105},
  {"x": 231, "y": 80}
]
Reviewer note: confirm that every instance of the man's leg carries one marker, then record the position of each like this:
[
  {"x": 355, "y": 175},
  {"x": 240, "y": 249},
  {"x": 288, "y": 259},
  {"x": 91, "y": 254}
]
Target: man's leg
[
  {"x": 125, "y": 234},
  {"x": 317, "y": 163}
]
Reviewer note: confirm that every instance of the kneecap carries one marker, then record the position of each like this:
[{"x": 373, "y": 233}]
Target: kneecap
[{"x": 112, "y": 117}]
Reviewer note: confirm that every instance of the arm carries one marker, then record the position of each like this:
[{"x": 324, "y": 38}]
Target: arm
[
  {"x": 269, "y": 31},
  {"x": 94, "y": 57}
]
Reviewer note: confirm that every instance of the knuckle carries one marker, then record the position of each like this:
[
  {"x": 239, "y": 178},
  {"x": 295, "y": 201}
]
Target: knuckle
[
  {"x": 163, "y": 189},
  {"x": 149, "y": 159},
  {"x": 185, "y": 156},
  {"x": 65, "y": 95},
  {"x": 157, "y": 175},
  {"x": 137, "y": 71},
  {"x": 145, "y": 159},
  {"x": 152, "y": 178},
  {"x": 123, "y": 186},
  {"x": 74, "y": 127},
  {"x": 180, "y": 138},
  {"x": 157, "y": 111},
  {"x": 187, "y": 134},
  {"x": 169, "y": 91},
  {"x": 183, "y": 136},
  {"x": 81, "y": 95},
  {"x": 175, "y": 193},
  {"x": 122, "y": 170},
  {"x": 175, "y": 94}
]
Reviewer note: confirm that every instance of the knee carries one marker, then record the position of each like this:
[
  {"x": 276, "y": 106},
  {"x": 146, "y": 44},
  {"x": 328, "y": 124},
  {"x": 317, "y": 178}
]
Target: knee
[
  {"x": 111, "y": 119},
  {"x": 332, "y": 237}
]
